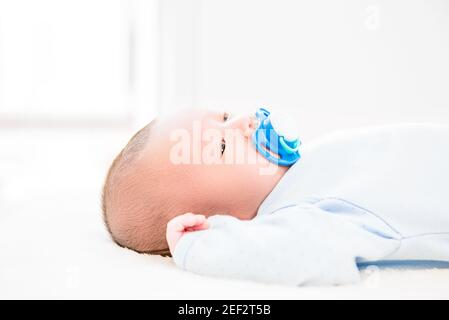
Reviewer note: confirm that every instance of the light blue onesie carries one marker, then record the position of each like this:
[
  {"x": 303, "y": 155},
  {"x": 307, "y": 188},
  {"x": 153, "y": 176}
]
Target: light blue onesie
[{"x": 358, "y": 196}]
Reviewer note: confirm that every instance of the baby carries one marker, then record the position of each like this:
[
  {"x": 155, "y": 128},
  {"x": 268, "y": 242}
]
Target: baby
[{"x": 237, "y": 196}]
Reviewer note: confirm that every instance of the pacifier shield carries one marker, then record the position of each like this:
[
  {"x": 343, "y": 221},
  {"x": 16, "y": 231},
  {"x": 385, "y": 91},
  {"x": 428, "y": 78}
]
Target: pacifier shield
[{"x": 276, "y": 134}]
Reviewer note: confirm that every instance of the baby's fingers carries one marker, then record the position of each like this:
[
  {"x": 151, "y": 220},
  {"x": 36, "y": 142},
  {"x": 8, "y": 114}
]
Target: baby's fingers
[
  {"x": 184, "y": 221},
  {"x": 191, "y": 220},
  {"x": 177, "y": 226},
  {"x": 202, "y": 226}
]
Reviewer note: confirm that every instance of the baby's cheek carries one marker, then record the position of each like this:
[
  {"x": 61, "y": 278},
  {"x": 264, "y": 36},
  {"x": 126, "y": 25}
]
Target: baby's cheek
[{"x": 237, "y": 151}]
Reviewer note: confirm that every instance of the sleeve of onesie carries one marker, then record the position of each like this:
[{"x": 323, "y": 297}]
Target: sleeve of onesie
[{"x": 296, "y": 245}]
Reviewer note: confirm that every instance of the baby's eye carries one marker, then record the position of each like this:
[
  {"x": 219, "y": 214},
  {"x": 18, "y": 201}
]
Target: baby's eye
[
  {"x": 223, "y": 145},
  {"x": 225, "y": 116}
]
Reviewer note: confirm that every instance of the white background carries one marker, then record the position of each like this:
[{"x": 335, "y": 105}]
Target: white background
[{"x": 77, "y": 78}]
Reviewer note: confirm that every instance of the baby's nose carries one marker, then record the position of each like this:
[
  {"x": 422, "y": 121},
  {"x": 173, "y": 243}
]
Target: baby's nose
[{"x": 246, "y": 123}]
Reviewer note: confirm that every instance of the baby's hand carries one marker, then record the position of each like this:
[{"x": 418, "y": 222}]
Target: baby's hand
[{"x": 179, "y": 225}]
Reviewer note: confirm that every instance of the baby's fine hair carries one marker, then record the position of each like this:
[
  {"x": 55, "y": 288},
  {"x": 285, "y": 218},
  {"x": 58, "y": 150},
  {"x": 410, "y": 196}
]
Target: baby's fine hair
[{"x": 121, "y": 170}]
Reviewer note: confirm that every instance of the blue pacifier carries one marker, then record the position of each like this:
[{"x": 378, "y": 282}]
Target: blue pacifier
[{"x": 276, "y": 135}]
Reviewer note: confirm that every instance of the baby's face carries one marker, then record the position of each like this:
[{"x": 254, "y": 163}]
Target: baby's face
[{"x": 207, "y": 158}]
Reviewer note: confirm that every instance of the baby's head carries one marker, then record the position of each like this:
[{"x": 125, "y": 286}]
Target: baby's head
[{"x": 195, "y": 161}]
